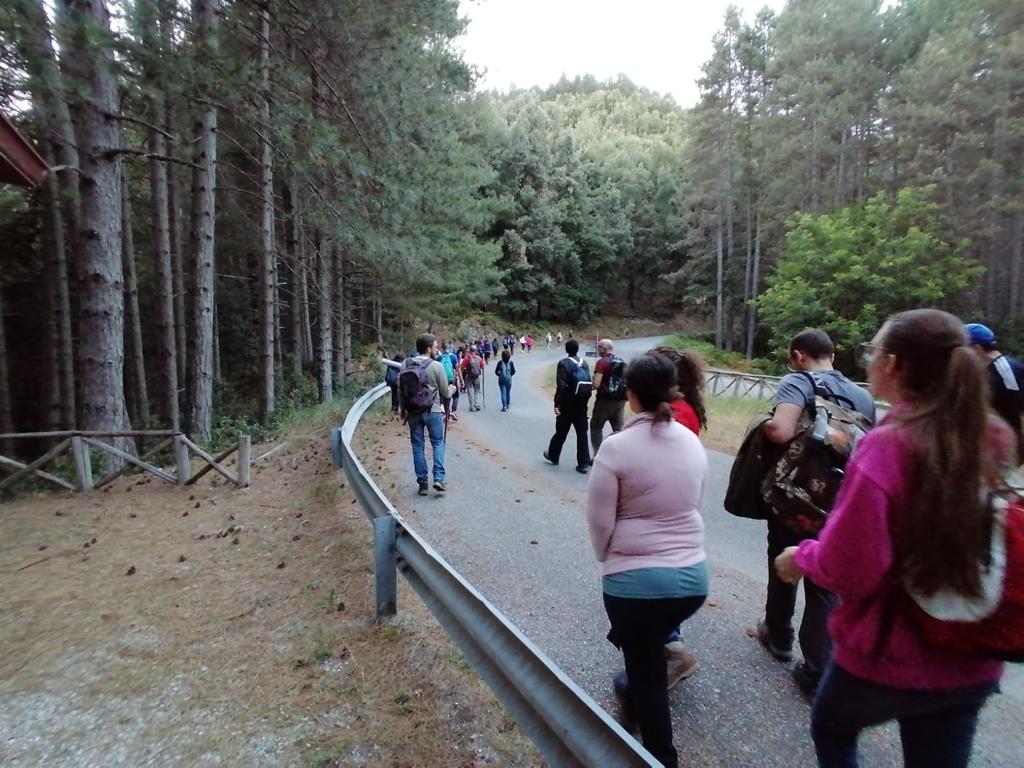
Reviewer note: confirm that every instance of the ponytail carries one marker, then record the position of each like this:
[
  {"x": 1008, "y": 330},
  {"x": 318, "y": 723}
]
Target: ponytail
[
  {"x": 652, "y": 379},
  {"x": 944, "y": 532}
]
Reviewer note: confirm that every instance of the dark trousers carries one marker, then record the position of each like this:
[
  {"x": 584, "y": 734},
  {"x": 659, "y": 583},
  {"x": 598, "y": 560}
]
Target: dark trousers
[
  {"x": 394, "y": 397},
  {"x": 572, "y": 416},
  {"x": 936, "y": 727},
  {"x": 780, "y": 605},
  {"x": 638, "y": 629}
]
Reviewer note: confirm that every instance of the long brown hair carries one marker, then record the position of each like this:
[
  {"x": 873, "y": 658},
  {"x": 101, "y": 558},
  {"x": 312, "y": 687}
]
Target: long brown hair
[
  {"x": 690, "y": 378},
  {"x": 943, "y": 534}
]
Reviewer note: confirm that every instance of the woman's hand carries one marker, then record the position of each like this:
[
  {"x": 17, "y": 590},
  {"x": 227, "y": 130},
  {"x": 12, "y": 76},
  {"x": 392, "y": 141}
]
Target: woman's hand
[{"x": 786, "y": 567}]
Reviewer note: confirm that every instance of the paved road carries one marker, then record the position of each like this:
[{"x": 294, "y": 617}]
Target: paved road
[{"x": 515, "y": 527}]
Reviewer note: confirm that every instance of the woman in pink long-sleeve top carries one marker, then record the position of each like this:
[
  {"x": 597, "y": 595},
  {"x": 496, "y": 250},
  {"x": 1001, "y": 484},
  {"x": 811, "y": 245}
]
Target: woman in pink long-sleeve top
[
  {"x": 642, "y": 510},
  {"x": 910, "y": 517}
]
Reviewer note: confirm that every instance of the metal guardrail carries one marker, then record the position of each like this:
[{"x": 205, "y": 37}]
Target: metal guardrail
[
  {"x": 568, "y": 726},
  {"x": 719, "y": 382}
]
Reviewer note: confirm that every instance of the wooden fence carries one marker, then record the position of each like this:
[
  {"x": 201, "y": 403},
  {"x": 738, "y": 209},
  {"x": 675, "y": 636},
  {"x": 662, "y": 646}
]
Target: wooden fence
[{"x": 80, "y": 445}]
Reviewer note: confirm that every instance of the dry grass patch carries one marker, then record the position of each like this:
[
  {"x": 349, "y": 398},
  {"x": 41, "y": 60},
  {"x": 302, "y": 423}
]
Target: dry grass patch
[
  {"x": 217, "y": 626},
  {"x": 728, "y": 418}
]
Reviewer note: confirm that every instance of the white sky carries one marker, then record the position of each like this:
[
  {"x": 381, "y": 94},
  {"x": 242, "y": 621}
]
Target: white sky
[{"x": 658, "y": 44}]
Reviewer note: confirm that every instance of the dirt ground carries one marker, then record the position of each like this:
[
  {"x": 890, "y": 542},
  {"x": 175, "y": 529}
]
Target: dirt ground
[{"x": 207, "y": 626}]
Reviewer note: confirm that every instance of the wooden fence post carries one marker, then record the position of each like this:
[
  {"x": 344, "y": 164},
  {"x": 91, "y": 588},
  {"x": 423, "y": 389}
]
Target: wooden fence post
[
  {"x": 244, "y": 460},
  {"x": 181, "y": 460},
  {"x": 83, "y": 467}
]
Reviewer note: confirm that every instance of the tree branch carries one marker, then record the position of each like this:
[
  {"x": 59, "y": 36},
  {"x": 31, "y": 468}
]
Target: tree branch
[{"x": 148, "y": 155}]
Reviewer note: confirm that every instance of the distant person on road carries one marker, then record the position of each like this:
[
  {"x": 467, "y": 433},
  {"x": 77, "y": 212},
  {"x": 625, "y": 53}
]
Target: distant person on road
[
  {"x": 1005, "y": 378},
  {"x": 912, "y": 525},
  {"x": 529, "y": 343},
  {"x": 425, "y": 400},
  {"x": 391, "y": 379},
  {"x": 522, "y": 343},
  {"x": 449, "y": 360},
  {"x": 811, "y": 355},
  {"x": 559, "y": 338},
  {"x": 472, "y": 373},
  {"x": 573, "y": 386},
  {"x": 610, "y": 386},
  {"x": 486, "y": 349},
  {"x": 505, "y": 370},
  {"x": 646, "y": 530},
  {"x": 547, "y": 342},
  {"x": 688, "y": 403}
]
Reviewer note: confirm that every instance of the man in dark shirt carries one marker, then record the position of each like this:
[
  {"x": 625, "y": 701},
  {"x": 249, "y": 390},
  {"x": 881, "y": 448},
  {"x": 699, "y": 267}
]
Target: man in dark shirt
[
  {"x": 1006, "y": 380},
  {"x": 572, "y": 391},
  {"x": 811, "y": 354}
]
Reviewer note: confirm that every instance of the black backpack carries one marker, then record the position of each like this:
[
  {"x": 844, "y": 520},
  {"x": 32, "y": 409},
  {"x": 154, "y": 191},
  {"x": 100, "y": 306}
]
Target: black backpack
[
  {"x": 414, "y": 391},
  {"x": 613, "y": 383}
]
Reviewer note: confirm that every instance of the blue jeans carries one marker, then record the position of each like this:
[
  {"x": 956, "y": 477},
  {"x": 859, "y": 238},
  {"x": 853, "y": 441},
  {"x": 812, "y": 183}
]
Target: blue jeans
[
  {"x": 936, "y": 727},
  {"x": 506, "y": 393},
  {"x": 434, "y": 423}
]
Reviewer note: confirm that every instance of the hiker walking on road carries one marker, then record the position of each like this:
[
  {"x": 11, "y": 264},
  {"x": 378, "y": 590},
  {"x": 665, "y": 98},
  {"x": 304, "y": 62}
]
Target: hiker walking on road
[
  {"x": 1005, "y": 379},
  {"x": 811, "y": 354},
  {"x": 505, "y": 370},
  {"x": 572, "y": 391},
  {"x": 610, "y": 386},
  {"x": 647, "y": 532},
  {"x": 472, "y": 373},
  {"x": 913, "y": 529},
  {"x": 688, "y": 403},
  {"x": 391, "y": 379},
  {"x": 425, "y": 399}
]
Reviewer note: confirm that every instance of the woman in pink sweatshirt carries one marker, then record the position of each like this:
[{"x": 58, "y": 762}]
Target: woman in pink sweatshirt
[
  {"x": 642, "y": 509},
  {"x": 910, "y": 517}
]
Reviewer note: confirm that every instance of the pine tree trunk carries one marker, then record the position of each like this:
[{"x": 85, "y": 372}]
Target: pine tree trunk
[
  {"x": 100, "y": 268},
  {"x": 338, "y": 329},
  {"x": 63, "y": 386},
  {"x": 1016, "y": 254},
  {"x": 201, "y": 238},
  {"x": 324, "y": 318},
  {"x": 180, "y": 279},
  {"x": 155, "y": 41},
  {"x": 268, "y": 321},
  {"x": 719, "y": 313},
  {"x": 136, "y": 365},
  {"x": 755, "y": 278},
  {"x": 295, "y": 282},
  {"x": 62, "y": 189},
  {"x": 348, "y": 294}
]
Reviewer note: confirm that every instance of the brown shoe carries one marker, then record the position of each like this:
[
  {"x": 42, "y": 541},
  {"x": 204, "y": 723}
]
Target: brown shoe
[{"x": 679, "y": 662}]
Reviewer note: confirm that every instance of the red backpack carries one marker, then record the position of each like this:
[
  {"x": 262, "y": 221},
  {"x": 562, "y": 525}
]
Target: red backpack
[{"x": 991, "y": 626}]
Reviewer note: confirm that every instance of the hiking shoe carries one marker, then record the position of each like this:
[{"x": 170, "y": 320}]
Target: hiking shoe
[
  {"x": 779, "y": 652},
  {"x": 679, "y": 663},
  {"x": 583, "y": 469},
  {"x": 439, "y": 486},
  {"x": 423, "y": 487},
  {"x": 807, "y": 679},
  {"x": 454, "y": 417},
  {"x": 550, "y": 459}
]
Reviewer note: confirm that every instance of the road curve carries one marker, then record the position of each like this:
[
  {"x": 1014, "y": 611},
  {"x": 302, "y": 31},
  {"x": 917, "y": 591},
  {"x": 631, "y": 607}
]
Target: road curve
[{"x": 514, "y": 526}]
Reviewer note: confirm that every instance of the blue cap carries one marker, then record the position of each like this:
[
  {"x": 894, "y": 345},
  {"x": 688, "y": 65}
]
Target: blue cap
[{"x": 979, "y": 334}]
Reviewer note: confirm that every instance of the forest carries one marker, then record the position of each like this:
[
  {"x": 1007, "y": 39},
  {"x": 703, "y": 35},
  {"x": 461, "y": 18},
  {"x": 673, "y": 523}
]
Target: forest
[{"x": 247, "y": 195}]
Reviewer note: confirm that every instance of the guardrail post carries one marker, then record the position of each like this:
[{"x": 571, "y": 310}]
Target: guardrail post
[
  {"x": 181, "y": 460},
  {"x": 336, "y": 453},
  {"x": 83, "y": 467},
  {"x": 385, "y": 571},
  {"x": 244, "y": 460}
]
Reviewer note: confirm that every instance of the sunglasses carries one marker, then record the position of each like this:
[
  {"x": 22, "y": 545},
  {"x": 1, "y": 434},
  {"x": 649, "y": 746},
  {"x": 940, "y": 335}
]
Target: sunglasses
[{"x": 867, "y": 352}]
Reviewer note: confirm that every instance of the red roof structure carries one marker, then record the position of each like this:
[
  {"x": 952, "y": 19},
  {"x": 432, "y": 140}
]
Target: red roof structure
[{"x": 19, "y": 162}]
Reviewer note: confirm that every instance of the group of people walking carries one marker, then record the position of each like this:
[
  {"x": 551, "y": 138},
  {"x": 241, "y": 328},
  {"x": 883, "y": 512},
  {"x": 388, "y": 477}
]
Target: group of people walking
[{"x": 912, "y": 523}]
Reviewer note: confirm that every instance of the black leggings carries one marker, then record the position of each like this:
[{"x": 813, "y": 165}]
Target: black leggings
[{"x": 639, "y": 628}]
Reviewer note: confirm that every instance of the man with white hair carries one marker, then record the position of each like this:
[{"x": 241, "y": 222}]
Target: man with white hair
[{"x": 609, "y": 383}]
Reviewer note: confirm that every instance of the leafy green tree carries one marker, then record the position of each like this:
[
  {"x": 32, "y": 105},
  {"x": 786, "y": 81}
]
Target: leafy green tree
[{"x": 846, "y": 271}]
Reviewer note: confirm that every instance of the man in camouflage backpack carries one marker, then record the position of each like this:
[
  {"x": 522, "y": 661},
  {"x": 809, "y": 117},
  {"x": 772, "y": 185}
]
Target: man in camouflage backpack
[{"x": 811, "y": 355}]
